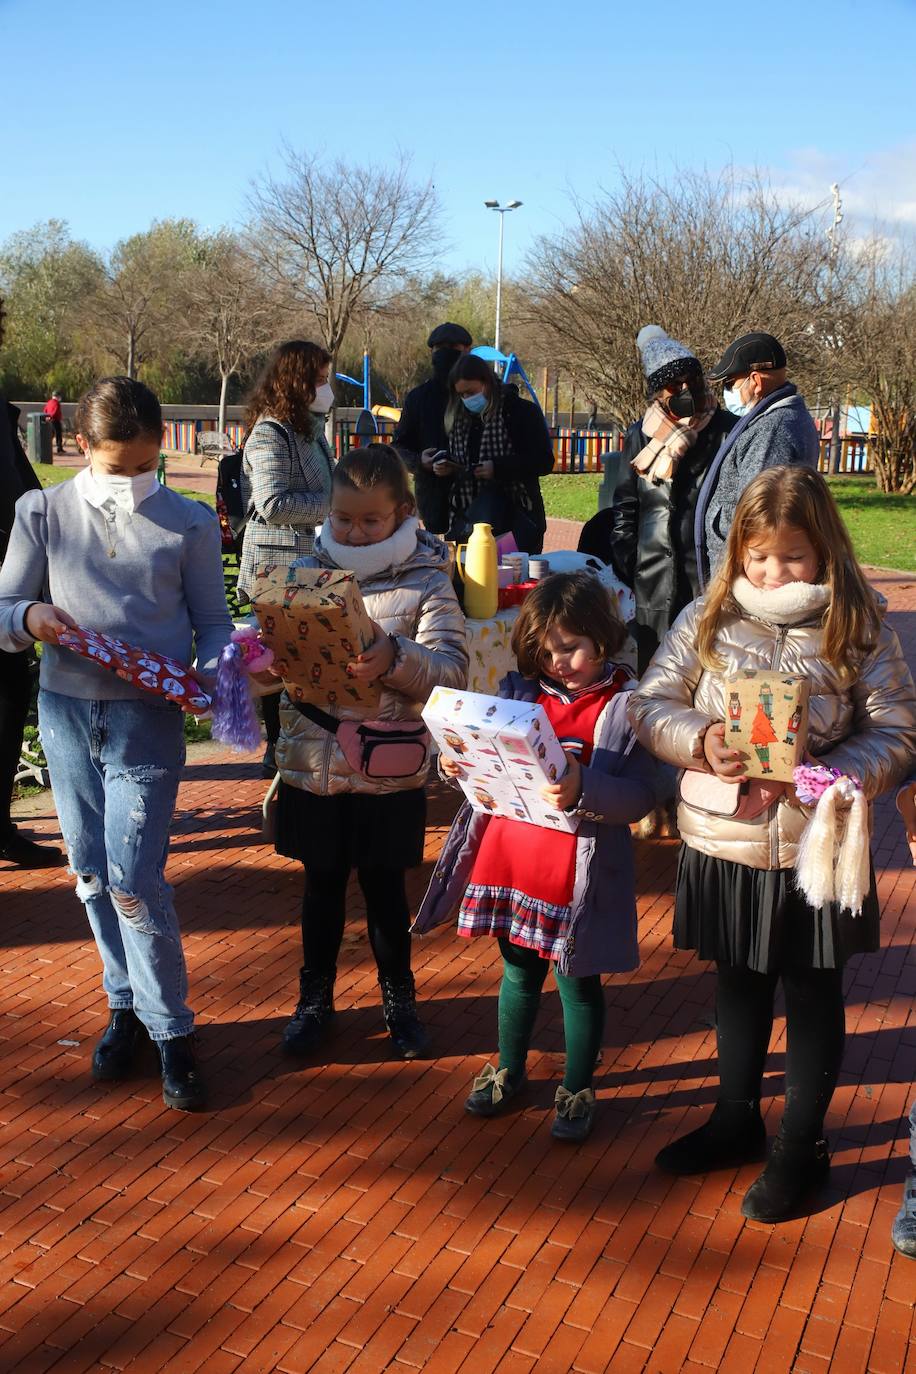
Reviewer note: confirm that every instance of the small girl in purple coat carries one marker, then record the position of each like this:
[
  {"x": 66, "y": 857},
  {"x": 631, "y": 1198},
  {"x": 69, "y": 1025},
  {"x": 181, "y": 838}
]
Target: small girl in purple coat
[{"x": 548, "y": 897}]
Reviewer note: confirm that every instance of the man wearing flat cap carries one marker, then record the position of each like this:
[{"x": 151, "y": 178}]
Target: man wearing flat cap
[
  {"x": 774, "y": 429},
  {"x": 420, "y": 433}
]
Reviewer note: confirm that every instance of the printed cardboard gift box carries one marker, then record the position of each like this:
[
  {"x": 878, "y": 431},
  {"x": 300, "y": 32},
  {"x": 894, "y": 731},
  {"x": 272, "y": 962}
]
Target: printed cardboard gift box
[
  {"x": 766, "y": 717},
  {"x": 508, "y": 750},
  {"x": 315, "y": 621},
  {"x": 151, "y": 672}
]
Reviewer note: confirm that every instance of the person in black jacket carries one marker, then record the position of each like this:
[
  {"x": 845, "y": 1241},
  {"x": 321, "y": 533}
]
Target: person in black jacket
[
  {"x": 498, "y": 448},
  {"x": 420, "y": 432},
  {"x": 16, "y": 477},
  {"x": 647, "y": 534}
]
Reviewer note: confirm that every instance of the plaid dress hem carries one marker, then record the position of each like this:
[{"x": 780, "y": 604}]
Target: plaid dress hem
[{"x": 515, "y": 916}]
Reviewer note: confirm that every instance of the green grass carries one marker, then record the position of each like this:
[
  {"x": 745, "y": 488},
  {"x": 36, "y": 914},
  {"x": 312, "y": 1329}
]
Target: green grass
[
  {"x": 881, "y": 526},
  {"x": 50, "y": 477}
]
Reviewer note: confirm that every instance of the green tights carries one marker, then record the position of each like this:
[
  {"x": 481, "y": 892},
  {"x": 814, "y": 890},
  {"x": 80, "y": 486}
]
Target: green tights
[{"x": 582, "y": 999}]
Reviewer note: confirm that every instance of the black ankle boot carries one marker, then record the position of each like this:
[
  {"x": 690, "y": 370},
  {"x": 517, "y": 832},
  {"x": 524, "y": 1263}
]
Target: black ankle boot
[
  {"x": 182, "y": 1085},
  {"x": 113, "y": 1058},
  {"x": 734, "y": 1134},
  {"x": 399, "y": 1005},
  {"x": 312, "y": 1017},
  {"x": 793, "y": 1170}
]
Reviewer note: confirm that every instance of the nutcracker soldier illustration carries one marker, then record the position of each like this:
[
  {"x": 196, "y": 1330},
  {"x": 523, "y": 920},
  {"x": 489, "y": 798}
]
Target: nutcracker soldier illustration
[
  {"x": 766, "y": 700},
  {"x": 734, "y": 712},
  {"x": 792, "y": 725}
]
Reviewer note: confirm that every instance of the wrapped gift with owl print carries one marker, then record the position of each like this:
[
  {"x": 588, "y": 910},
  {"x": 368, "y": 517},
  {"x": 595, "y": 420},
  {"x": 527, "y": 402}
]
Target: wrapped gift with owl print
[{"x": 143, "y": 668}]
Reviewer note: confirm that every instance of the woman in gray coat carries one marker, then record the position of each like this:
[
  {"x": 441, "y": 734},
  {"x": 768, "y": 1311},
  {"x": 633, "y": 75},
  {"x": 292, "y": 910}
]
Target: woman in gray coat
[{"x": 286, "y": 472}]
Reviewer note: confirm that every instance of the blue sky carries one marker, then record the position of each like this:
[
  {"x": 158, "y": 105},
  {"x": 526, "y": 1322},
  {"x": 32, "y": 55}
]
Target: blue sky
[{"x": 115, "y": 113}]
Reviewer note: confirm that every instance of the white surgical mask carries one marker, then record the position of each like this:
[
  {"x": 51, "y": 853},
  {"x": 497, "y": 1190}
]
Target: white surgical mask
[
  {"x": 126, "y": 492},
  {"x": 731, "y": 395},
  {"x": 324, "y": 399}
]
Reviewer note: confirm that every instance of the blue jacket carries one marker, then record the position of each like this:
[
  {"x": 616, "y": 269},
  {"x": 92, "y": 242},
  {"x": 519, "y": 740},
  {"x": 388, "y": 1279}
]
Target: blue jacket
[{"x": 618, "y": 787}]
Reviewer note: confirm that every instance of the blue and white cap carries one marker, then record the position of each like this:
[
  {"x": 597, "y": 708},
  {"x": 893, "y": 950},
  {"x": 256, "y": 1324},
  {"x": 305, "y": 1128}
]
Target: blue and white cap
[{"x": 663, "y": 358}]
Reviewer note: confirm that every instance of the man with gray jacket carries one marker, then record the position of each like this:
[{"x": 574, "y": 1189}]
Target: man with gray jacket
[{"x": 774, "y": 429}]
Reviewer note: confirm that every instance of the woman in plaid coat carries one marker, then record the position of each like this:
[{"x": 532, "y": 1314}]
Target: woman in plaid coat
[{"x": 287, "y": 464}]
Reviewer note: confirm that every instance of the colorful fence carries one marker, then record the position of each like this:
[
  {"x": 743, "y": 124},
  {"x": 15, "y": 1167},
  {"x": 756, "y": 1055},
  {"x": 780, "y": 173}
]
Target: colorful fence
[{"x": 576, "y": 450}]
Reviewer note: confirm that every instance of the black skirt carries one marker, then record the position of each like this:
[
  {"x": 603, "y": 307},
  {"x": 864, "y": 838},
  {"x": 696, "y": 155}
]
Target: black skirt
[
  {"x": 351, "y": 830},
  {"x": 756, "y": 918}
]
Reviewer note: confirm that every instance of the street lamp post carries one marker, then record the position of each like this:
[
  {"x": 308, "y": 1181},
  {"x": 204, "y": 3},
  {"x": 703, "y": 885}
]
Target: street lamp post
[{"x": 501, "y": 210}]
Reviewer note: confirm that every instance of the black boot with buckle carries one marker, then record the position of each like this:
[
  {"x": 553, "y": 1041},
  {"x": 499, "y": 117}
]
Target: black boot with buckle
[
  {"x": 113, "y": 1058},
  {"x": 182, "y": 1083},
  {"x": 399, "y": 1005},
  {"x": 314, "y": 1011},
  {"x": 733, "y": 1135},
  {"x": 794, "y": 1169}
]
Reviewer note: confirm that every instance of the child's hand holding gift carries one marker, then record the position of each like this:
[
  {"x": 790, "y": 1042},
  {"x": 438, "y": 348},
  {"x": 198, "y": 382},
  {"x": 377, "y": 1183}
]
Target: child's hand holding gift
[
  {"x": 450, "y": 767},
  {"x": 568, "y": 790},
  {"x": 375, "y": 661}
]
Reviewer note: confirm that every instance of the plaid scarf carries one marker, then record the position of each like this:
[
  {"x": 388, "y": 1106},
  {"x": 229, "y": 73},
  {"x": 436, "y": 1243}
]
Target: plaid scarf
[
  {"x": 669, "y": 439},
  {"x": 495, "y": 444}
]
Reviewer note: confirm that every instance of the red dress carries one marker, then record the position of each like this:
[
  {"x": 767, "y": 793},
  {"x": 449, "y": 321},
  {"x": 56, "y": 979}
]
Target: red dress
[{"x": 521, "y": 884}]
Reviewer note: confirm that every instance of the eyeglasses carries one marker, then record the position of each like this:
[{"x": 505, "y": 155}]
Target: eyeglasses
[{"x": 369, "y": 524}]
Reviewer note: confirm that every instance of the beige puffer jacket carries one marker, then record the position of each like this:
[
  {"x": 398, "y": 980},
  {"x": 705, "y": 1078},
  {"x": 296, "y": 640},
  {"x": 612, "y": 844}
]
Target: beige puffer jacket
[
  {"x": 867, "y": 728},
  {"x": 416, "y": 602}
]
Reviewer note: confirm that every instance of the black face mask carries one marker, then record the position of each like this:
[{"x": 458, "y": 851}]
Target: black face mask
[
  {"x": 443, "y": 360},
  {"x": 682, "y": 405}
]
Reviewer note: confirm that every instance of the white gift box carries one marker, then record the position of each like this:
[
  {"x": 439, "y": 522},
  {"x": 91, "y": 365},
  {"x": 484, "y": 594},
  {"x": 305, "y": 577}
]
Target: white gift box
[{"x": 508, "y": 751}]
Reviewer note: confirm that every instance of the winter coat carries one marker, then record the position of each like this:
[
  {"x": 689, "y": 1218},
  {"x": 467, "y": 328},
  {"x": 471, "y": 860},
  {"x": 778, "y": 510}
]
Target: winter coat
[
  {"x": 421, "y": 426},
  {"x": 648, "y": 534},
  {"x": 286, "y": 487},
  {"x": 617, "y": 787},
  {"x": 16, "y": 472},
  {"x": 866, "y": 727},
  {"x": 530, "y": 457},
  {"x": 779, "y": 431},
  {"x": 416, "y": 602}
]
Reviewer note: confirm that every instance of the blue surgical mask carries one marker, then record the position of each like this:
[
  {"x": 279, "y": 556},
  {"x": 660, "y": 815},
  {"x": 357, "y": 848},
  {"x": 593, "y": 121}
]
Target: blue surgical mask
[
  {"x": 476, "y": 404},
  {"x": 731, "y": 395}
]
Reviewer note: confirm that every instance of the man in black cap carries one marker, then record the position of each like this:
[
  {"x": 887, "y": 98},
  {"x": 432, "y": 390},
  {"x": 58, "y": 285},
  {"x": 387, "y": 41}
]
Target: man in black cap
[
  {"x": 16, "y": 477},
  {"x": 420, "y": 433},
  {"x": 774, "y": 429}
]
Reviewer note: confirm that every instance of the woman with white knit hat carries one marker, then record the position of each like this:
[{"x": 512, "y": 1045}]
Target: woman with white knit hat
[{"x": 647, "y": 535}]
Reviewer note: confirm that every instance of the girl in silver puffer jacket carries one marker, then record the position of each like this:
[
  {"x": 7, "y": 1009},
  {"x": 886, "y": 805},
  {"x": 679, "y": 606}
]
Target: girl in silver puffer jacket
[
  {"x": 332, "y": 817},
  {"x": 789, "y": 596}
]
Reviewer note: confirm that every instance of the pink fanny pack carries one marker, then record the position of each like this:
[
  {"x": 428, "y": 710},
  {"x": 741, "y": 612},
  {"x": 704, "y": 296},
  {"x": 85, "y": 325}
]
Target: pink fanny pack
[
  {"x": 376, "y": 748},
  {"x": 740, "y": 801}
]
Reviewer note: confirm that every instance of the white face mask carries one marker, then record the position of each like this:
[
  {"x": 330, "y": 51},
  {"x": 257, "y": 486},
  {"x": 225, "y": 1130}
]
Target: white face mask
[
  {"x": 324, "y": 399},
  {"x": 731, "y": 395},
  {"x": 126, "y": 492}
]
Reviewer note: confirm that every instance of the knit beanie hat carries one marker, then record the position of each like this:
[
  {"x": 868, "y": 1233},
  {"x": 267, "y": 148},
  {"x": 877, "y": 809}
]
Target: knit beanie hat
[{"x": 663, "y": 358}]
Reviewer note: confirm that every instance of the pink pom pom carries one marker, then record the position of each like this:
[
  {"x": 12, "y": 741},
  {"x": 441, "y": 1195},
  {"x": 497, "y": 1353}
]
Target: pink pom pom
[{"x": 256, "y": 656}]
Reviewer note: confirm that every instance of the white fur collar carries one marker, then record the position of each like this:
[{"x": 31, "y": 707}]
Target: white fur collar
[
  {"x": 368, "y": 560},
  {"x": 788, "y": 605}
]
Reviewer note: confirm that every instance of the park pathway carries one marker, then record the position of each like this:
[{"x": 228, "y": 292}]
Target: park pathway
[{"x": 347, "y": 1215}]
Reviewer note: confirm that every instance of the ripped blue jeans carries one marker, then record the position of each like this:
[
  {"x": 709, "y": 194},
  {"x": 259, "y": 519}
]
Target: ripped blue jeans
[{"x": 115, "y": 767}]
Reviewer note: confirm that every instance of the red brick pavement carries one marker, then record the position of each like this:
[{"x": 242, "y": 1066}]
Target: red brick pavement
[{"x": 347, "y": 1215}]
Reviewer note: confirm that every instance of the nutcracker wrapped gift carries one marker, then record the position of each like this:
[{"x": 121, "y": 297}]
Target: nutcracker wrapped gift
[
  {"x": 766, "y": 718},
  {"x": 315, "y": 622},
  {"x": 508, "y": 751}
]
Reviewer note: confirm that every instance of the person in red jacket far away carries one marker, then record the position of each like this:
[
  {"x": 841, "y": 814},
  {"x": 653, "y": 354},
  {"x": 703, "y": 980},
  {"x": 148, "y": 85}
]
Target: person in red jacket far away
[{"x": 55, "y": 414}]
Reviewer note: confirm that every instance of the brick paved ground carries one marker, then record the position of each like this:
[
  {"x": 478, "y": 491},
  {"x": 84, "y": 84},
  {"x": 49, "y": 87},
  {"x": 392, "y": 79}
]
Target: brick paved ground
[{"x": 348, "y": 1216}]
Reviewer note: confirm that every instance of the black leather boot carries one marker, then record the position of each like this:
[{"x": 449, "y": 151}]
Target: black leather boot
[
  {"x": 312, "y": 1018},
  {"x": 113, "y": 1058},
  {"x": 399, "y": 1006},
  {"x": 182, "y": 1084},
  {"x": 733, "y": 1135},
  {"x": 793, "y": 1170}
]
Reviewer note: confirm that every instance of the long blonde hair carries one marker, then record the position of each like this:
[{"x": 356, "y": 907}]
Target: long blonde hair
[{"x": 799, "y": 497}]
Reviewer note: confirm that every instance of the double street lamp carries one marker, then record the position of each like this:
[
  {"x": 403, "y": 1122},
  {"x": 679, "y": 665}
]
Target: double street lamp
[{"x": 501, "y": 210}]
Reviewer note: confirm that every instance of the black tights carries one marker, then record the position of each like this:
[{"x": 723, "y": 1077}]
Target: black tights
[
  {"x": 815, "y": 1033},
  {"x": 387, "y": 916}
]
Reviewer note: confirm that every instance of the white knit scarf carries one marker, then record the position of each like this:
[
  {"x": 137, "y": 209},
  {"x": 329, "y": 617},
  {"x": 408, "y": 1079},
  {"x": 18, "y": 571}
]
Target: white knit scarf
[
  {"x": 792, "y": 604},
  {"x": 368, "y": 560}
]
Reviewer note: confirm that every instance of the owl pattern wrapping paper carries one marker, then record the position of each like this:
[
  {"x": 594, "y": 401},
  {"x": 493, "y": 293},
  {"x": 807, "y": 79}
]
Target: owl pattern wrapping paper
[
  {"x": 151, "y": 672},
  {"x": 316, "y": 622}
]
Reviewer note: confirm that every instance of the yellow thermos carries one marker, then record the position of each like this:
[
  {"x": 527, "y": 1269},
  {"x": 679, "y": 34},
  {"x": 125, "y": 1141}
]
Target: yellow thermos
[{"x": 478, "y": 573}]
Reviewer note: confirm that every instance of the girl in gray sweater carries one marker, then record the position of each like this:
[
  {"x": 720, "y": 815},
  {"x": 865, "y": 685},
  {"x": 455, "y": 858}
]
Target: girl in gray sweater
[{"x": 116, "y": 552}]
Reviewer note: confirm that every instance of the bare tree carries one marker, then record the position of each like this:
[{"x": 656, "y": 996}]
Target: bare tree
[
  {"x": 228, "y": 313},
  {"x": 334, "y": 236},
  {"x": 707, "y": 258},
  {"x": 879, "y": 348}
]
